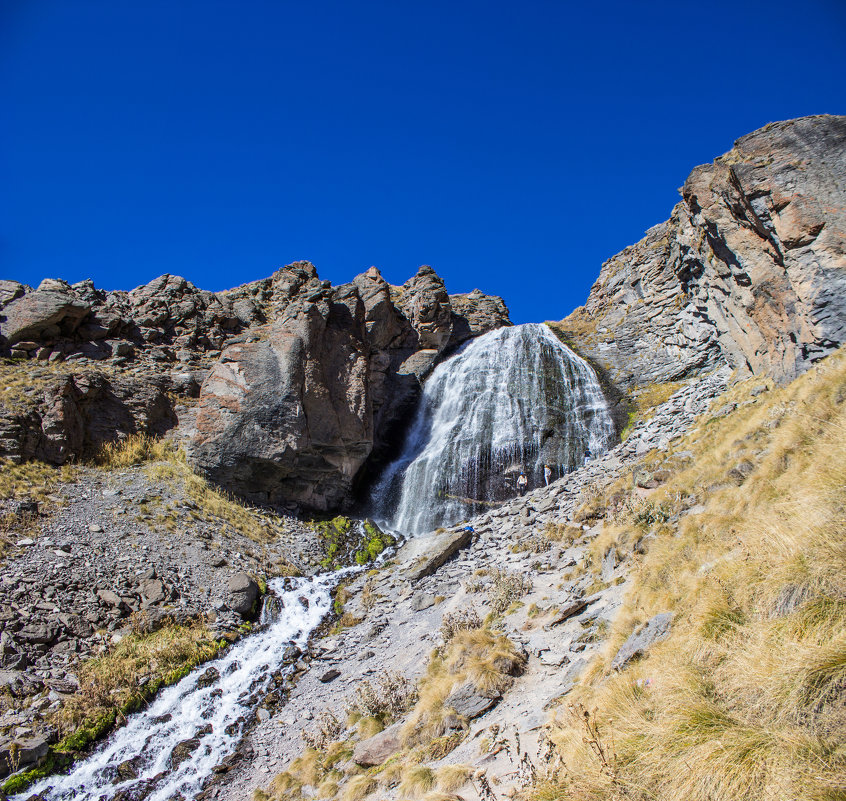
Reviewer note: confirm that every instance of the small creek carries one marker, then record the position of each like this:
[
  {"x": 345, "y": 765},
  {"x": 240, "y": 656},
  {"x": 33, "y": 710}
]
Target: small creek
[{"x": 186, "y": 710}]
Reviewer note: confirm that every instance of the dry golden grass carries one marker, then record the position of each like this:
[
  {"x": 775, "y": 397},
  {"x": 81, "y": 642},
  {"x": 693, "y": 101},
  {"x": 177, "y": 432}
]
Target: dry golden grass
[
  {"x": 747, "y": 697},
  {"x": 451, "y": 777},
  {"x": 416, "y": 781},
  {"x": 358, "y": 787},
  {"x": 487, "y": 658},
  {"x": 33, "y": 480},
  {"x": 134, "y": 667},
  {"x": 133, "y": 450},
  {"x": 315, "y": 771}
]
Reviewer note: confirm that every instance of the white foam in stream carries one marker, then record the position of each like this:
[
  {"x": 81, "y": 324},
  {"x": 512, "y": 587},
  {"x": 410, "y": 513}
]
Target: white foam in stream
[{"x": 245, "y": 670}]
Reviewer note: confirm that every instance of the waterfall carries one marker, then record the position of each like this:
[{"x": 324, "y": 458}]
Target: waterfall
[{"x": 514, "y": 399}]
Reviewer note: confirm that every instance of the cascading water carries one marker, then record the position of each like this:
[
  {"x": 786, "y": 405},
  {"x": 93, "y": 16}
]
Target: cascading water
[
  {"x": 212, "y": 715},
  {"x": 514, "y": 399}
]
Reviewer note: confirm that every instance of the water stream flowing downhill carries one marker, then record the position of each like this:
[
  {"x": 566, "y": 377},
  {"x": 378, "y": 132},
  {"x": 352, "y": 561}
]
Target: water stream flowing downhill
[
  {"x": 207, "y": 719},
  {"x": 514, "y": 399}
]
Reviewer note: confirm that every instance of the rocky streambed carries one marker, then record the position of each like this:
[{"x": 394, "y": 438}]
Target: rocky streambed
[{"x": 118, "y": 552}]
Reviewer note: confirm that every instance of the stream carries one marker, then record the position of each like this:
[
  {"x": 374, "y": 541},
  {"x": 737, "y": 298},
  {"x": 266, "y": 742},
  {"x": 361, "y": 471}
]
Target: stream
[{"x": 214, "y": 716}]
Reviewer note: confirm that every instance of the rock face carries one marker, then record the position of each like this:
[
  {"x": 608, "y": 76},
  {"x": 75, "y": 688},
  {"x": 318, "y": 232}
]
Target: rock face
[
  {"x": 77, "y": 413},
  {"x": 750, "y": 269},
  {"x": 305, "y": 386},
  {"x": 293, "y": 415}
]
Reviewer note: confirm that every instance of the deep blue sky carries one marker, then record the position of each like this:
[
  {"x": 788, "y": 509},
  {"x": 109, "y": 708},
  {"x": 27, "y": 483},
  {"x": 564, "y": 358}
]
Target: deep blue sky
[{"x": 512, "y": 145}]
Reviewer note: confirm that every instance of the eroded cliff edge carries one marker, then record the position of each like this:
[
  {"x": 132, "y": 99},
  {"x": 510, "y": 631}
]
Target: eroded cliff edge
[
  {"x": 749, "y": 270},
  {"x": 289, "y": 390}
]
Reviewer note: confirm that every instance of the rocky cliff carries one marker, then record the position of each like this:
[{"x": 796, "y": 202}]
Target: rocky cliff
[
  {"x": 305, "y": 386},
  {"x": 749, "y": 270}
]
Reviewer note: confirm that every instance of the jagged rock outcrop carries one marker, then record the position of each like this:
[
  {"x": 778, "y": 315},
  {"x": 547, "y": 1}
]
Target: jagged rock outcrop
[
  {"x": 167, "y": 320},
  {"x": 293, "y": 414},
  {"x": 312, "y": 382},
  {"x": 750, "y": 268}
]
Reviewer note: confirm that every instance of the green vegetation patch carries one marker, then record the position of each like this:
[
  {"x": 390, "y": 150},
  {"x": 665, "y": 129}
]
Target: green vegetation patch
[{"x": 376, "y": 542}]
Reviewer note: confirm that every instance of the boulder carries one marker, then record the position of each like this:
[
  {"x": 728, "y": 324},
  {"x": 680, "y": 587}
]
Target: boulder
[
  {"x": 465, "y": 700},
  {"x": 243, "y": 592},
  {"x": 421, "y": 601},
  {"x": 110, "y": 598},
  {"x": 208, "y": 677},
  {"x": 657, "y": 629},
  {"x": 377, "y": 749},
  {"x": 39, "y": 633},
  {"x": 182, "y": 751},
  {"x": 152, "y": 591},
  {"x": 53, "y": 305},
  {"x": 24, "y": 753},
  {"x": 427, "y": 554}
]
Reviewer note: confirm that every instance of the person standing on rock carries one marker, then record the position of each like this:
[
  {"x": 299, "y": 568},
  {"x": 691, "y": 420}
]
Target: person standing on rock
[
  {"x": 547, "y": 473},
  {"x": 522, "y": 483}
]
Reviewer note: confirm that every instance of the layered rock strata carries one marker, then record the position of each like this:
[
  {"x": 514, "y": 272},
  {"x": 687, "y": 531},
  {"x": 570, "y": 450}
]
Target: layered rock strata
[{"x": 750, "y": 269}]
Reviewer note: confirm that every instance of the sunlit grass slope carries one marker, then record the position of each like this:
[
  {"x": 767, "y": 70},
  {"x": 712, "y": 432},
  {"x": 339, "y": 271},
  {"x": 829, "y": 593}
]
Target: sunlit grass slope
[{"x": 747, "y": 697}]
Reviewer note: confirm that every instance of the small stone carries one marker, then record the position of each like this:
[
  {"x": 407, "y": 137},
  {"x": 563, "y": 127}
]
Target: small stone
[{"x": 330, "y": 675}]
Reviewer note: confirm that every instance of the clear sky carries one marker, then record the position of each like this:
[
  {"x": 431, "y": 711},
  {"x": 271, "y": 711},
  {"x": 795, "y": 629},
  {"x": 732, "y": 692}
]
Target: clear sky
[{"x": 514, "y": 146}]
